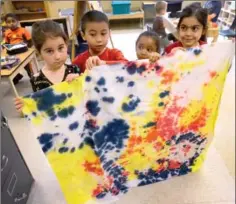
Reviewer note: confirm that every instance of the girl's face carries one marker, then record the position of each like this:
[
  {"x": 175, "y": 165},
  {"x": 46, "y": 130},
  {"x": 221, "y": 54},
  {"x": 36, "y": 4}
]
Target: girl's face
[
  {"x": 145, "y": 46},
  {"x": 54, "y": 52},
  {"x": 190, "y": 32}
]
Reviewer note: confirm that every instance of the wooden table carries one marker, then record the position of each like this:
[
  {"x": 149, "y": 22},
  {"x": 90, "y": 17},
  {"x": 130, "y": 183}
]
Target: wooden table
[{"x": 25, "y": 58}]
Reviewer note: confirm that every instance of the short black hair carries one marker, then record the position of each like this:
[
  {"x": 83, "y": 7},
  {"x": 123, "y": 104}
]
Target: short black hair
[
  {"x": 11, "y": 15},
  {"x": 93, "y": 16},
  {"x": 152, "y": 35}
]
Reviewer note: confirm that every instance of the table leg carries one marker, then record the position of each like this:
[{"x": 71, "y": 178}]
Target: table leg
[
  {"x": 35, "y": 64},
  {"x": 13, "y": 87}
]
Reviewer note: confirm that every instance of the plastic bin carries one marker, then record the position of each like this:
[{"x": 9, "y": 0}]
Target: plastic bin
[{"x": 120, "y": 7}]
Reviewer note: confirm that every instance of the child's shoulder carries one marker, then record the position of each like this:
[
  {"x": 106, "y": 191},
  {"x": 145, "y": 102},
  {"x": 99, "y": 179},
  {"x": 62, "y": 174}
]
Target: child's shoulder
[{"x": 172, "y": 46}]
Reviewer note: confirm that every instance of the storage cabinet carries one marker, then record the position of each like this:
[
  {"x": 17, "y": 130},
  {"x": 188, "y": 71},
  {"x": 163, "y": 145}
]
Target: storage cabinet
[
  {"x": 26, "y": 10},
  {"x": 16, "y": 179},
  {"x": 227, "y": 15}
]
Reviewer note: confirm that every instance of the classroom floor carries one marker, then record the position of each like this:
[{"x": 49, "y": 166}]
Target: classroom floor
[{"x": 213, "y": 184}]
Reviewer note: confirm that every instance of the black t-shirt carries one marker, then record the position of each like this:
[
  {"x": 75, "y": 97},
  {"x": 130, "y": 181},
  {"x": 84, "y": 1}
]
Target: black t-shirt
[{"x": 40, "y": 81}]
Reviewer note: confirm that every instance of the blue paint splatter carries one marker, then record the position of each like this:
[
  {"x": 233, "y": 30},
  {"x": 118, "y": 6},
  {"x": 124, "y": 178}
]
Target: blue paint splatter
[
  {"x": 164, "y": 94},
  {"x": 119, "y": 79},
  {"x": 197, "y": 51},
  {"x": 150, "y": 124},
  {"x": 108, "y": 99},
  {"x": 93, "y": 108},
  {"x": 65, "y": 112},
  {"x": 161, "y": 104},
  {"x": 115, "y": 132},
  {"x": 131, "y": 84},
  {"x": 88, "y": 79},
  {"x": 34, "y": 113},
  {"x": 131, "y": 106},
  {"x": 74, "y": 126},
  {"x": 97, "y": 89},
  {"x": 141, "y": 69},
  {"x": 46, "y": 141},
  {"x": 101, "y": 81},
  {"x": 132, "y": 68},
  {"x": 63, "y": 149},
  {"x": 105, "y": 89},
  {"x": 46, "y": 98},
  {"x": 72, "y": 149},
  {"x": 65, "y": 141}
]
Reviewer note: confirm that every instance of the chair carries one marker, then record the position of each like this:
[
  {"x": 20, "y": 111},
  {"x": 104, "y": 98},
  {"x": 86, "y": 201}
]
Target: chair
[{"x": 230, "y": 33}]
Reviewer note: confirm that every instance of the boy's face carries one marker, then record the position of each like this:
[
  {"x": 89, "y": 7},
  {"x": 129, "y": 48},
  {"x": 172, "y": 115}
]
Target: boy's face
[
  {"x": 11, "y": 23},
  {"x": 97, "y": 35}
]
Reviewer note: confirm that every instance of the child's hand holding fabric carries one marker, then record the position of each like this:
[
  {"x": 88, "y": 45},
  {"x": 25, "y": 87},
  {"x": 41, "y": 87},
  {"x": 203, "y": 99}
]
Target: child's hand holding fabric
[
  {"x": 94, "y": 61},
  {"x": 154, "y": 56},
  {"x": 71, "y": 77},
  {"x": 18, "y": 104}
]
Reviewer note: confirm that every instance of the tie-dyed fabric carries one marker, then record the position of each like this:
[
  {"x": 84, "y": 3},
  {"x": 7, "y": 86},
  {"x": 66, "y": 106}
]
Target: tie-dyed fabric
[{"x": 118, "y": 127}]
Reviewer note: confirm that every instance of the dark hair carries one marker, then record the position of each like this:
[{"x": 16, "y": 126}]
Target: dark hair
[
  {"x": 11, "y": 15},
  {"x": 46, "y": 29},
  {"x": 152, "y": 35},
  {"x": 201, "y": 15},
  {"x": 93, "y": 16}
]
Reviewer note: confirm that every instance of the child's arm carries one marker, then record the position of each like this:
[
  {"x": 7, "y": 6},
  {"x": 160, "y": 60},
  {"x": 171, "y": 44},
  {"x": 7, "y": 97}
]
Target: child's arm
[
  {"x": 154, "y": 56},
  {"x": 93, "y": 62},
  {"x": 27, "y": 38},
  {"x": 19, "y": 104}
]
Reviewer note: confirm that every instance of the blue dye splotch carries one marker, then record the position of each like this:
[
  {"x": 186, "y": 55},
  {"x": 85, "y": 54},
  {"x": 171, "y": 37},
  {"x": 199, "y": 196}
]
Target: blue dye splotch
[
  {"x": 150, "y": 124},
  {"x": 131, "y": 106},
  {"x": 197, "y": 51},
  {"x": 93, "y": 107},
  {"x": 63, "y": 150},
  {"x": 161, "y": 104},
  {"x": 131, "y": 84},
  {"x": 65, "y": 112},
  {"x": 105, "y": 89},
  {"x": 88, "y": 79},
  {"x": 131, "y": 69},
  {"x": 46, "y": 98},
  {"x": 72, "y": 149},
  {"x": 74, "y": 126},
  {"x": 115, "y": 132},
  {"x": 101, "y": 81},
  {"x": 34, "y": 114},
  {"x": 164, "y": 94},
  {"x": 97, "y": 89},
  {"x": 108, "y": 99},
  {"x": 119, "y": 79},
  {"x": 141, "y": 69},
  {"x": 65, "y": 141},
  {"x": 46, "y": 141}
]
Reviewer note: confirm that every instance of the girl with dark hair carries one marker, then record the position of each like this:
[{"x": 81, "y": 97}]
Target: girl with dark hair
[
  {"x": 51, "y": 43},
  {"x": 192, "y": 28}
]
